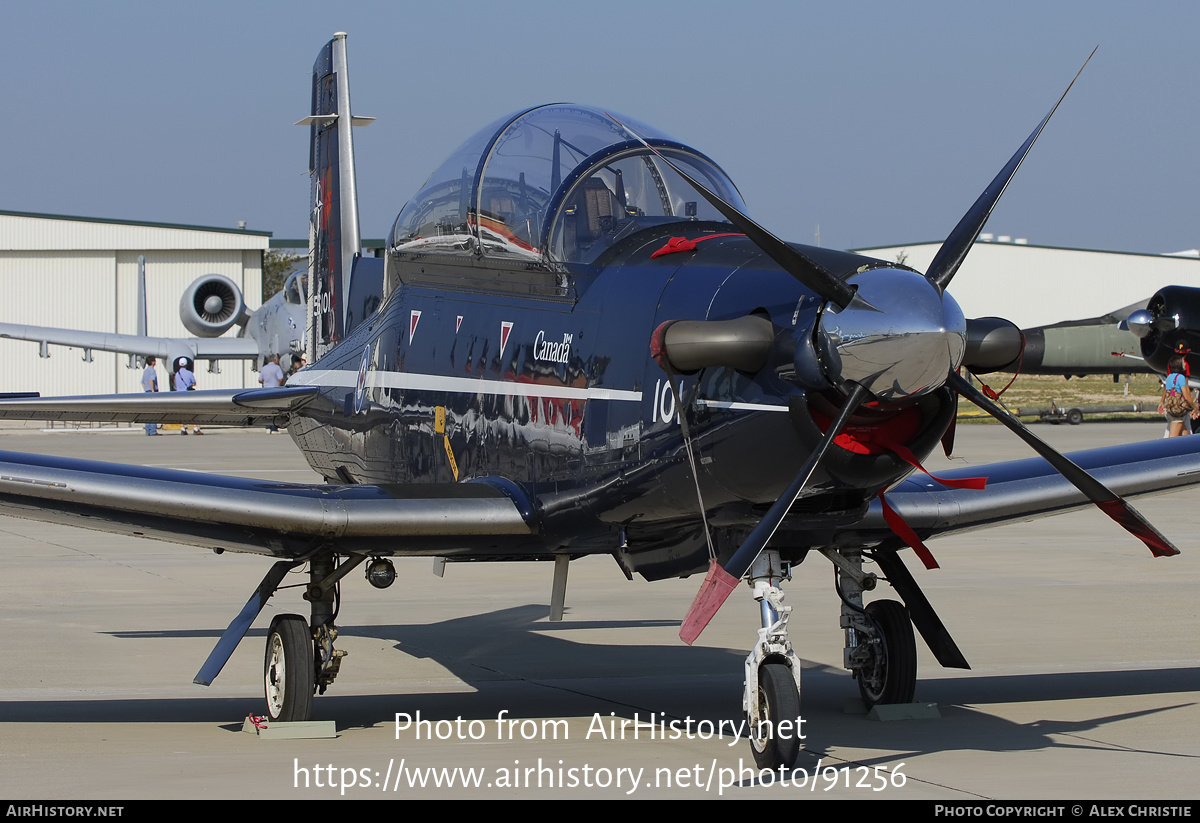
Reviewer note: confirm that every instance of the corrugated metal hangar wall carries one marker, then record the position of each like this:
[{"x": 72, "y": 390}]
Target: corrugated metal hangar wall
[
  {"x": 82, "y": 273},
  {"x": 1040, "y": 285}
]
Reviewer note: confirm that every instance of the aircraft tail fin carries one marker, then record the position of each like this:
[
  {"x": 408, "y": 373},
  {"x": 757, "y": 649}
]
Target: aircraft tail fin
[{"x": 334, "y": 236}]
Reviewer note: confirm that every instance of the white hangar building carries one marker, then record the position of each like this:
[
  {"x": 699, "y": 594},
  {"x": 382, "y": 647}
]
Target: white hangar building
[
  {"x": 82, "y": 273},
  {"x": 1040, "y": 285}
]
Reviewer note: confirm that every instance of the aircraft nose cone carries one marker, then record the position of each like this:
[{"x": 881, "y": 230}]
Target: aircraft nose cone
[{"x": 900, "y": 337}]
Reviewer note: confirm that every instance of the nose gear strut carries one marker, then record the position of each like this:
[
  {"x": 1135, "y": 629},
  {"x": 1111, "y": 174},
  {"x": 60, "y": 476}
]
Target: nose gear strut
[{"x": 771, "y": 695}]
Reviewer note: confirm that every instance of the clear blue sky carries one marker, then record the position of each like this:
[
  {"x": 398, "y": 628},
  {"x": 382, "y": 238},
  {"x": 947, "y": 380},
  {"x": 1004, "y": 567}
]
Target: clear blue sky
[{"x": 880, "y": 122}]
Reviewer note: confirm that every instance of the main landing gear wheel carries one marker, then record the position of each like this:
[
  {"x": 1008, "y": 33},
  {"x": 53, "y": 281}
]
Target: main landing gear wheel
[
  {"x": 890, "y": 676},
  {"x": 289, "y": 669},
  {"x": 778, "y": 700}
]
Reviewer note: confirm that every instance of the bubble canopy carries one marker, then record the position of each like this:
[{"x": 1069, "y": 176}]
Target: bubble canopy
[{"x": 558, "y": 183}]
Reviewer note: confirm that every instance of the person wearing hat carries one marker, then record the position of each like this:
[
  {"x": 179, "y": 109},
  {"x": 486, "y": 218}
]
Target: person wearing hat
[
  {"x": 1182, "y": 351},
  {"x": 185, "y": 380}
]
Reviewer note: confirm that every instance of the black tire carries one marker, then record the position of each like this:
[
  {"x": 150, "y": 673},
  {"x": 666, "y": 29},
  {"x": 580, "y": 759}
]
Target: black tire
[
  {"x": 288, "y": 670},
  {"x": 891, "y": 676},
  {"x": 778, "y": 700},
  {"x": 1074, "y": 417}
]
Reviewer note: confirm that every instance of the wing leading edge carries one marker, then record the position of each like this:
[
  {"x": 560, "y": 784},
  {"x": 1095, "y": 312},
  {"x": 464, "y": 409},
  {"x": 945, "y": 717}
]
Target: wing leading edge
[
  {"x": 1025, "y": 490},
  {"x": 490, "y": 518},
  {"x": 283, "y": 520}
]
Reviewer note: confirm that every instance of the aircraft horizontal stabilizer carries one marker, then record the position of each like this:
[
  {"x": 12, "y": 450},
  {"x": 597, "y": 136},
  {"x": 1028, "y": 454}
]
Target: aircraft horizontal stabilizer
[
  {"x": 330, "y": 119},
  {"x": 232, "y": 407}
]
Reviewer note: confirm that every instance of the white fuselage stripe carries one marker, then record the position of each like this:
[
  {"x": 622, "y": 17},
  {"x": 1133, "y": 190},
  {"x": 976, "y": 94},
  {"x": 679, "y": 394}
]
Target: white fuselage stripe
[
  {"x": 734, "y": 406},
  {"x": 462, "y": 385}
]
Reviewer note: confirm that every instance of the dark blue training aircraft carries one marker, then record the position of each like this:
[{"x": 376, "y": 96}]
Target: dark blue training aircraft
[{"x": 579, "y": 344}]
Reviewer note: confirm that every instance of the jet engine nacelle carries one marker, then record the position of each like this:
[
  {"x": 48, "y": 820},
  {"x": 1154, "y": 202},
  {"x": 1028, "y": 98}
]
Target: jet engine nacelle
[
  {"x": 1170, "y": 318},
  {"x": 211, "y": 306}
]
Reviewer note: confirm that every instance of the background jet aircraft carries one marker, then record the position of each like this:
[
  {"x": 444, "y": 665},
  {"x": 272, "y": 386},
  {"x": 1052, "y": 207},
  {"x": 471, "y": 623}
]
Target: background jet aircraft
[
  {"x": 1137, "y": 339},
  {"x": 209, "y": 307},
  {"x": 1169, "y": 324},
  {"x": 1079, "y": 347},
  {"x": 1070, "y": 348},
  {"x": 666, "y": 383}
]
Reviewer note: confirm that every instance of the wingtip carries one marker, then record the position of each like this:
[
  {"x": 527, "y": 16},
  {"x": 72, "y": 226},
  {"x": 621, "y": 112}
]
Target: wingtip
[{"x": 1132, "y": 521}]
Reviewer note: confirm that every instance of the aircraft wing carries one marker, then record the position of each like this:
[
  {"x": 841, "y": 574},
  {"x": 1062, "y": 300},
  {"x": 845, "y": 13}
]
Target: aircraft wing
[
  {"x": 203, "y": 348},
  {"x": 479, "y": 519},
  {"x": 284, "y": 520},
  {"x": 1025, "y": 490},
  {"x": 233, "y": 407}
]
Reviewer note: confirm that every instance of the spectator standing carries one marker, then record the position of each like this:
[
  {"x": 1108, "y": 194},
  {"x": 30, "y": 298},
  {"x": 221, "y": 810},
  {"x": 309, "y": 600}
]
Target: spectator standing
[
  {"x": 185, "y": 380},
  {"x": 150, "y": 385},
  {"x": 271, "y": 377}
]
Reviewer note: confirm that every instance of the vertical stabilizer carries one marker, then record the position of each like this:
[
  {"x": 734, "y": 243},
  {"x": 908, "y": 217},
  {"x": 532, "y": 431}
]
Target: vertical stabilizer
[
  {"x": 334, "y": 236},
  {"x": 136, "y": 361},
  {"x": 141, "y": 308}
]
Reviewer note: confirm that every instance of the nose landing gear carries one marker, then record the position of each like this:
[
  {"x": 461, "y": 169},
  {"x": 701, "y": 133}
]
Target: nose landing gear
[
  {"x": 771, "y": 698},
  {"x": 880, "y": 651}
]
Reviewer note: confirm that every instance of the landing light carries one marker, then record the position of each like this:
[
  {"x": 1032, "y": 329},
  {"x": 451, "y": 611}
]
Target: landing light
[{"x": 381, "y": 573}]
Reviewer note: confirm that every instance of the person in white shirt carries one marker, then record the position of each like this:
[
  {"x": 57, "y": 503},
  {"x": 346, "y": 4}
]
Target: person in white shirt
[
  {"x": 185, "y": 380},
  {"x": 271, "y": 376}
]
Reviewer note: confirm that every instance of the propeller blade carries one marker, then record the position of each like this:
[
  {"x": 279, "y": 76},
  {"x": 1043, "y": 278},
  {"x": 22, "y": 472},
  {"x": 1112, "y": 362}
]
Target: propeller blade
[
  {"x": 721, "y": 581},
  {"x": 954, "y": 250},
  {"x": 810, "y": 273},
  {"x": 948, "y": 437},
  {"x": 1106, "y": 500}
]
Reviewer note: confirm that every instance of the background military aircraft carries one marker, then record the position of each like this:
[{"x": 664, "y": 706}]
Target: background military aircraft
[
  {"x": 579, "y": 343},
  {"x": 1169, "y": 324},
  {"x": 1096, "y": 345},
  {"x": 1136, "y": 339},
  {"x": 211, "y": 306},
  {"x": 1072, "y": 348}
]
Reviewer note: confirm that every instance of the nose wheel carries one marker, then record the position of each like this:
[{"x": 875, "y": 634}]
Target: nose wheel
[
  {"x": 778, "y": 702},
  {"x": 289, "y": 673},
  {"x": 771, "y": 695}
]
